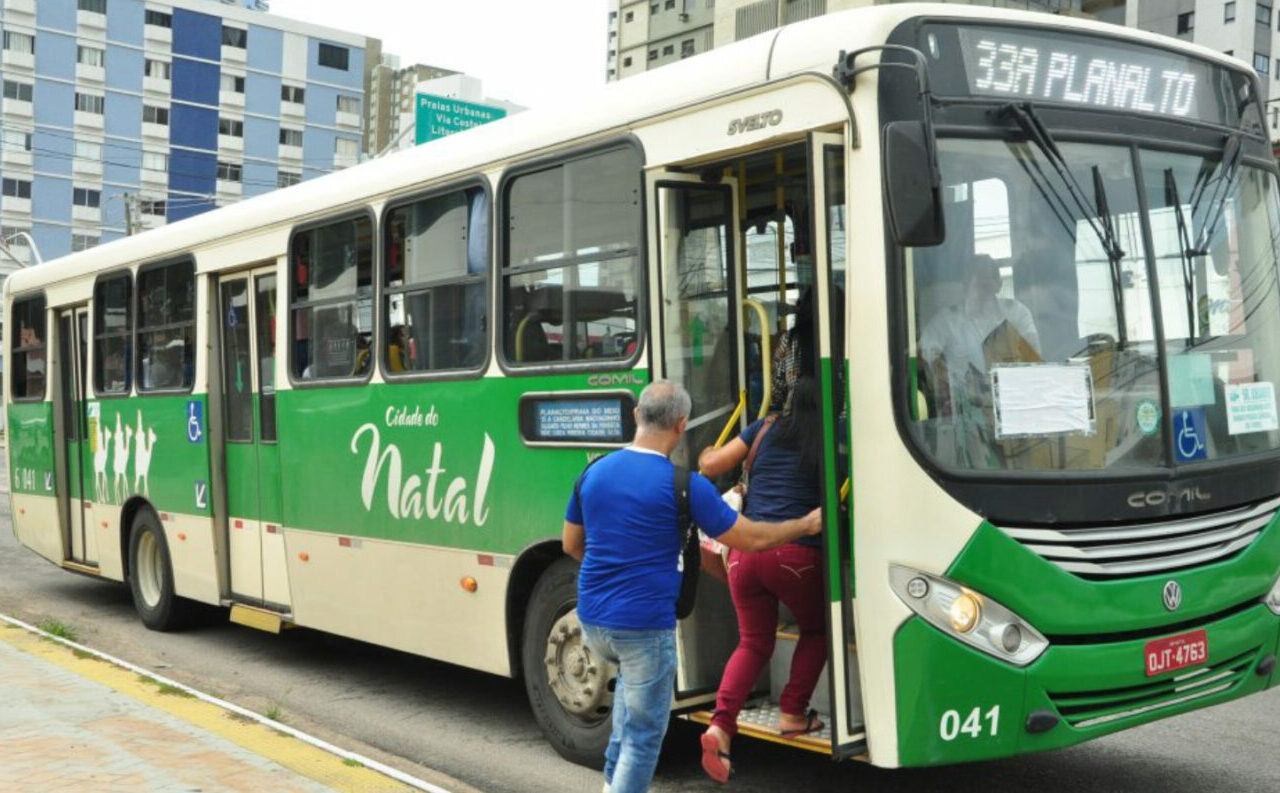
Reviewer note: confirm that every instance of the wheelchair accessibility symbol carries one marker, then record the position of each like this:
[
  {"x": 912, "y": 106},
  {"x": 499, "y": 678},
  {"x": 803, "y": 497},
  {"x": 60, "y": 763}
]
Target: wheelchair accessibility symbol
[
  {"x": 195, "y": 421},
  {"x": 1189, "y": 435}
]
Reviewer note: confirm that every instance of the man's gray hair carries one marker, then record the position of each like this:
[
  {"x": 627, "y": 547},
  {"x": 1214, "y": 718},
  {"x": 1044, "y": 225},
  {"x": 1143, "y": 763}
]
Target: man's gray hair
[{"x": 662, "y": 404}]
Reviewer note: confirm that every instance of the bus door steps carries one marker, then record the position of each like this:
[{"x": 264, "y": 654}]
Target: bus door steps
[
  {"x": 759, "y": 719},
  {"x": 259, "y": 618},
  {"x": 81, "y": 567}
]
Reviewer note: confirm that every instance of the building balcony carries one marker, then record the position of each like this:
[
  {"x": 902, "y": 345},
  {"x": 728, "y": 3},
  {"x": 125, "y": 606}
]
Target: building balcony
[
  {"x": 351, "y": 120},
  {"x": 157, "y": 35},
  {"x": 230, "y": 143},
  {"x": 234, "y": 54},
  {"x": 89, "y": 20},
  {"x": 89, "y": 120},
  {"x": 95, "y": 75},
  {"x": 15, "y": 108},
  {"x": 89, "y": 168},
  {"x": 18, "y": 60},
  {"x": 229, "y": 192},
  {"x": 14, "y": 158},
  {"x": 86, "y": 214},
  {"x": 230, "y": 98},
  {"x": 153, "y": 178},
  {"x": 291, "y": 153},
  {"x": 20, "y": 6},
  {"x": 154, "y": 131},
  {"x": 157, "y": 85},
  {"x": 293, "y": 110}
]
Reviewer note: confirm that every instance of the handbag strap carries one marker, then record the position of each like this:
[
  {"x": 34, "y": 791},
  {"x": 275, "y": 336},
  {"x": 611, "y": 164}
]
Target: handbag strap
[{"x": 755, "y": 445}]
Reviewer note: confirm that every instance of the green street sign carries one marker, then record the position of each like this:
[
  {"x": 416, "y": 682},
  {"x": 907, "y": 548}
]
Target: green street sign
[{"x": 438, "y": 116}]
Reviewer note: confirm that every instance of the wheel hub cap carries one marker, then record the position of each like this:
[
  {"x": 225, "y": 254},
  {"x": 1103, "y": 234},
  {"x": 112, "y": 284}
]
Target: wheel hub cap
[{"x": 580, "y": 682}]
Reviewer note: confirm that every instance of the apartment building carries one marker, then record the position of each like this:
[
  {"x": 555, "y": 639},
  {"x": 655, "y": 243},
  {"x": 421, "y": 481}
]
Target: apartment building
[{"x": 121, "y": 115}]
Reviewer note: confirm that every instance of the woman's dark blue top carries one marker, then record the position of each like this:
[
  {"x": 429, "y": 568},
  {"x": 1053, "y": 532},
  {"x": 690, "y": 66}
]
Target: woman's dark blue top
[{"x": 778, "y": 490}]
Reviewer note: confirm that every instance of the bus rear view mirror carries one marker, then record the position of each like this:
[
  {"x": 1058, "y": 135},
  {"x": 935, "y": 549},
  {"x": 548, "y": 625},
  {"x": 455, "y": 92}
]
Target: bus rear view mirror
[{"x": 912, "y": 185}]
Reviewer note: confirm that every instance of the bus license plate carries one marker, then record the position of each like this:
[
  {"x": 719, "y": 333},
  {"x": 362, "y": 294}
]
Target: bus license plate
[{"x": 1176, "y": 652}]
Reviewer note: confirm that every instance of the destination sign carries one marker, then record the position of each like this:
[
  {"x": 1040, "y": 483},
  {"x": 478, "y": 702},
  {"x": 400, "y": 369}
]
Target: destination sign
[
  {"x": 580, "y": 419},
  {"x": 1049, "y": 66}
]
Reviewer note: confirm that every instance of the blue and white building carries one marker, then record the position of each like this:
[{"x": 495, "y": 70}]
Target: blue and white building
[{"x": 126, "y": 114}]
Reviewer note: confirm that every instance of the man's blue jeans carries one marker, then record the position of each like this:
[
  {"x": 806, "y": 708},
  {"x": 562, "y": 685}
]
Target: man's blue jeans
[{"x": 646, "y": 661}]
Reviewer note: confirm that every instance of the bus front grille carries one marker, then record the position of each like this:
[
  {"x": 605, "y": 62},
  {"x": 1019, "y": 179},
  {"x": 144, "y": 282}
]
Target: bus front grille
[
  {"x": 1085, "y": 709},
  {"x": 1148, "y": 548}
]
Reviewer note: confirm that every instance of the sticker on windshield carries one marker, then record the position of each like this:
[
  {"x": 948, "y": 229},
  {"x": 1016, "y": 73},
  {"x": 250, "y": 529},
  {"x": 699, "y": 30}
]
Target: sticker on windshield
[
  {"x": 1251, "y": 407},
  {"x": 1189, "y": 435},
  {"x": 1042, "y": 399},
  {"x": 1191, "y": 379},
  {"x": 1148, "y": 417}
]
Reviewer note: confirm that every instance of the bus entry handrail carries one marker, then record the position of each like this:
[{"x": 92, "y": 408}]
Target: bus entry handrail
[{"x": 733, "y": 419}]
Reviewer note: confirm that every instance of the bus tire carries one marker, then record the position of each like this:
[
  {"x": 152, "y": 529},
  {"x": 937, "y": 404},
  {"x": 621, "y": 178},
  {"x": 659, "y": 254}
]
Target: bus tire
[
  {"x": 151, "y": 576},
  {"x": 570, "y": 691}
]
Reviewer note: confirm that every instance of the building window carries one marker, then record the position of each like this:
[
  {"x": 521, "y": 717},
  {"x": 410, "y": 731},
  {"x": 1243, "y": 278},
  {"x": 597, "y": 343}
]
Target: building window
[
  {"x": 16, "y": 188},
  {"x": 332, "y": 322},
  {"x": 287, "y": 178},
  {"x": 112, "y": 333},
  {"x": 292, "y": 93},
  {"x": 1260, "y": 63},
  {"x": 84, "y": 197},
  {"x": 90, "y": 56},
  {"x": 290, "y": 137},
  {"x": 16, "y": 90},
  {"x": 155, "y": 161},
  {"x": 630, "y": 17},
  {"x": 436, "y": 263},
  {"x": 88, "y": 150},
  {"x": 348, "y": 104},
  {"x": 687, "y": 48},
  {"x": 149, "y": 206},
  {"x": 231, "y": 126},
  {"x": 166, "y": 327},
  {"x": 233, "y": 83},
  {"x": 669, "y": 5},
  {"x": 669, "y": 49},
  {"x": 653, "y": 9},
  {"x": 234, "y": 37},
  {"x": 89, "y": 103},
  {"x": 571, "y": 272},
  {"x": 16, "y": 140},
  {"x": 334, "y": 57},
  {"x": 626, "y": 61},
  {"x": 1229, "y": 12},
  {"x": 26, "y": 361},
  {"x": 157, "y": 70},
  {"x": 229, "y": 172},
  {"x": 19, "y": 42},
  {"x": 653, "y": 55},
  {"x": 1264, "y": 14},
  {"x": 346, "y": 148},
  {"x": 152, "y": 114},
  {"x": 159, "y": 19},
  {"x": 83, "y": 242},
  {"x": 1186, "y": 22},
  {"x": 94, "y": 6}
]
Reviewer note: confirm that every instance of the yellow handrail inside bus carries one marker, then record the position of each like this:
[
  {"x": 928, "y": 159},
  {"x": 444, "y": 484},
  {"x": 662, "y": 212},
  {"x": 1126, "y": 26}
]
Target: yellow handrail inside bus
[
  {"x": 733, "y": 419},
  {"x": 520, "y": 336},
  {"x": 844, "y": 490},
  {"x": 766, "y": 355}
]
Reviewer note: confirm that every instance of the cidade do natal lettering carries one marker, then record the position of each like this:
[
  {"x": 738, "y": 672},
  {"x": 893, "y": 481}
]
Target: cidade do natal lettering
[
  {"x": 421, "y": 493},
  {"x": 1064, "y": 76}
]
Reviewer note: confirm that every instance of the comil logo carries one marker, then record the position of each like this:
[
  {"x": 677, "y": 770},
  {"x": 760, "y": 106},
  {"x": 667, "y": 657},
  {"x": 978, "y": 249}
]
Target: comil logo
[
  {"x": 1178, "y": 499},
  {"x": 771, "y": 118}
]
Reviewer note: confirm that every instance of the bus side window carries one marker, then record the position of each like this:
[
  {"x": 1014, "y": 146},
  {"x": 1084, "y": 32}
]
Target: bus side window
[
  {"x": 112, "y": 333},
  {"x": 332, "y": 300},
  {"x": 166, "y": 327},
  {"x": 27, "y": 359},
  {"x": 437, "y": 266}
]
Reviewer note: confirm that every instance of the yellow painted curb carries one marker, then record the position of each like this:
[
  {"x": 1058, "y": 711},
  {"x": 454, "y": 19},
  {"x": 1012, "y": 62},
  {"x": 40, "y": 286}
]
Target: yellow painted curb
[{"x": 293, "y": 754}]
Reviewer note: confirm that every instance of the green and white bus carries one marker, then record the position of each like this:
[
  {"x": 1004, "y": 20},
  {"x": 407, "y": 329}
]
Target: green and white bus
[{"x": 359, "y": 404}]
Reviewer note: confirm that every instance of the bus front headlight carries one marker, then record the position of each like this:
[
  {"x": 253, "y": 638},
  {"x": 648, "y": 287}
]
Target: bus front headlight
[
  {"x": 975, "y": 619},
  {"x": 1273, "y": 598}
]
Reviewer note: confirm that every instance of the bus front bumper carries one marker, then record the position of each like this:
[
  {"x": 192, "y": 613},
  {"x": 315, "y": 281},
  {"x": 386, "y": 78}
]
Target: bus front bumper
[{"x": 956, "y": 704}]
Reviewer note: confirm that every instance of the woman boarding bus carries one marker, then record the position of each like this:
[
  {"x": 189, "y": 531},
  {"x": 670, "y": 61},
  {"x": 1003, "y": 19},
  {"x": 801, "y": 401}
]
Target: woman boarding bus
[{"x": 1074, "y": 537}]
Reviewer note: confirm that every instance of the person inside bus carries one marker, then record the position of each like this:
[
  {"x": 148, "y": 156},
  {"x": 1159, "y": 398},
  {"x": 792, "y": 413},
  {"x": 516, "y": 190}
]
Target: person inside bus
[
  {"x": 958, "y": 340},
  {"x": 398, "y": 348},
  {"x": 784, "y": 484},
  {"x": 797, "y": 352}
]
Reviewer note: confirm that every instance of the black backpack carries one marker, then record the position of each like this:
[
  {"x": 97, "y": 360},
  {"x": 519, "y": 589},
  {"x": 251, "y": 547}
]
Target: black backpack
[{"x": 690, "y": 553}]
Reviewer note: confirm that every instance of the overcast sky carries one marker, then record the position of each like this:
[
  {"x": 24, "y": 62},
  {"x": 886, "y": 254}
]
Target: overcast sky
[{"x": 526, "y": 51}]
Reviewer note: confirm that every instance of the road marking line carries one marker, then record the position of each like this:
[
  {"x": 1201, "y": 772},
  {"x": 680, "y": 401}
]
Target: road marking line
[{"x": 309, "y": 756}]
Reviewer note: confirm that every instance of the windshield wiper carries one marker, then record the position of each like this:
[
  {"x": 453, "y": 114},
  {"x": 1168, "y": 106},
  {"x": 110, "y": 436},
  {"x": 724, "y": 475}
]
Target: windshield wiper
[
  {"x": 1103, "y": 227},
  {"x": 1186, "y": 252},
  {"x": 1222, "y": 180}
]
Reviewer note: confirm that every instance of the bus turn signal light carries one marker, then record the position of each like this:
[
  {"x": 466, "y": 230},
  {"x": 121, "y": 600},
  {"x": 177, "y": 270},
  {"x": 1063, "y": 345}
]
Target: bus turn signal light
[{"x": 470, "y": 584}]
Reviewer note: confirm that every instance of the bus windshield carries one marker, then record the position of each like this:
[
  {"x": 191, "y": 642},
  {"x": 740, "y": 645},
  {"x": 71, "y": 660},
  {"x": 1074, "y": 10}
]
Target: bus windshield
[{"x": 1045, "y": 336}]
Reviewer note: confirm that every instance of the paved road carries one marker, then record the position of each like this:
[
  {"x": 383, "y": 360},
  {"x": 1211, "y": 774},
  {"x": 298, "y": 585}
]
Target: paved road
[{"x": 407, "y": 711}]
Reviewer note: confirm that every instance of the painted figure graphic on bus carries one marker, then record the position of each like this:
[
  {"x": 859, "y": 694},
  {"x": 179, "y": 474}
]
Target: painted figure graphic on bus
[
  {"x": 144, "y": 442},
  {"x": 101, "y": 485},
  {"x": 120, "y": 460}
]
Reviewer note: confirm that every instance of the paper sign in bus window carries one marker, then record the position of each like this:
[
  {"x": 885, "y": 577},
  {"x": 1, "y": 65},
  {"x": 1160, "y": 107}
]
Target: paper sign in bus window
[
  {"x": 1042, "y": 399},
  {"x": 1251, "y": 407},
  {"x": 1190, "y": 380}
]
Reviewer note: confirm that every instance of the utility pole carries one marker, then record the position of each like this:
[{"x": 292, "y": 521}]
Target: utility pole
[{"x": 130, "y": 202}]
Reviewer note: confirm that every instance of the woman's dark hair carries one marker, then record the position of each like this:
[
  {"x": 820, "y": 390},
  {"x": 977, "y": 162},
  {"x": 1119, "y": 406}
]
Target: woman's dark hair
[
  {"x": 800, "y": 428},
  {"x": 804, "y": 330}
]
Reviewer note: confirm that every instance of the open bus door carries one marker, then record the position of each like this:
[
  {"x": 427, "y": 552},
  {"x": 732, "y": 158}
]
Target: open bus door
[
  {"x": 696, "y": 328},
  {"x": 73, "y": 486},
  {"x": 826, "y": 153}
]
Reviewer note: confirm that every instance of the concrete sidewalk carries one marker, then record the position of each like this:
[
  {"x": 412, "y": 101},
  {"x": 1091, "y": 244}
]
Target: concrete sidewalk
[{"x": 71, "y": 722}]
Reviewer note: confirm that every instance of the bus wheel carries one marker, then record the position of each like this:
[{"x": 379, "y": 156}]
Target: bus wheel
[
  {"x": 570, "y": 690},
  {"x": 151, "y": 576}
]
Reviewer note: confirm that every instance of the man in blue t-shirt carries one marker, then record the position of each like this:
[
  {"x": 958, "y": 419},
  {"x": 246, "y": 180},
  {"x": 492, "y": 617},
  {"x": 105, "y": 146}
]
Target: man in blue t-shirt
[{"x": 630, "y": 551}]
